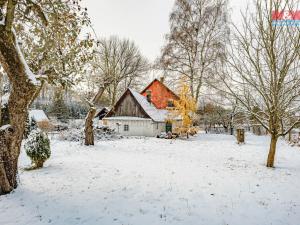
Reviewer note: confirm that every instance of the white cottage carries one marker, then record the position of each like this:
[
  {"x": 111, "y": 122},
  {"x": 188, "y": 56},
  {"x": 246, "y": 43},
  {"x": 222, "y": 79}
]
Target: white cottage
[{"x": 137, "y": 115}]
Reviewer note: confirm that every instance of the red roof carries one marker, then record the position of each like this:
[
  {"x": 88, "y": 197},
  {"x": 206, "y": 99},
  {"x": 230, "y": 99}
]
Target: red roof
[{"x": 160, "y": 94}]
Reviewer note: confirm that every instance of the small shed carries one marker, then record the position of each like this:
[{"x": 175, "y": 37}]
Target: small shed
[
  {"x": 41, "y": 119},
  {"x": 101, "y": 113},
  {"x": 258, "y": 129},
  {"x": 294, "y": 136}
]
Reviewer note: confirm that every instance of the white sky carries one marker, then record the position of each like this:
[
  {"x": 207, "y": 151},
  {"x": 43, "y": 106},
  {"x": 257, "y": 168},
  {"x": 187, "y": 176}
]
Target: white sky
[{"x": 143, "y": 21}]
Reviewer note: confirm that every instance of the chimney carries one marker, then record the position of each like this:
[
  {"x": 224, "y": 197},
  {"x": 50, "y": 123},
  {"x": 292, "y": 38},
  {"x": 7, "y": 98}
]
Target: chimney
[
  {"x": 148, "y": 92},
  {"x": 162, "y": 79}
]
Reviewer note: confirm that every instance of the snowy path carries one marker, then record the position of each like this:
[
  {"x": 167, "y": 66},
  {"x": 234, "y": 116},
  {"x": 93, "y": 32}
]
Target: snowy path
[{"x": 207, "y": 180}]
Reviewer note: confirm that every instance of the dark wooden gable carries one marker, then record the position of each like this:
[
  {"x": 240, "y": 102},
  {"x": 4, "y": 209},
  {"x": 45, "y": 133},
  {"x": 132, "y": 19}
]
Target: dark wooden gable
[{"x": 127, "y": 106}]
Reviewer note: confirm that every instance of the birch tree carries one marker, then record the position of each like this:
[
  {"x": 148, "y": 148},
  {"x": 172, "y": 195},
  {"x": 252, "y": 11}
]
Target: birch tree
[
  {"x": 196, "y": 42},
  {"x": 263, "y": 68}
]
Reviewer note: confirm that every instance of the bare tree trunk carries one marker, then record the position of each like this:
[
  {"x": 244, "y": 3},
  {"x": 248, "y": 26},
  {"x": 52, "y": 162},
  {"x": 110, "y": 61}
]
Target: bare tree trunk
[
  {"x": 114, "y": 95},
  {"x": 192, "y": 86},
  {"x": 113, "y": 99},
  {"x": 22, "y": 92},
  {"x": 272, "y": 151},
  {"x": 5, "y": 186},
  {"x": 199, "y": 85},
  {"x": 1, "y": 94},
  {"x": 88, "y": 131},
  {"x": 89, "y": 128}
]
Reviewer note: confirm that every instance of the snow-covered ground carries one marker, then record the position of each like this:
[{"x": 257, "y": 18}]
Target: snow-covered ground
[{"x": 207, "y": 180}]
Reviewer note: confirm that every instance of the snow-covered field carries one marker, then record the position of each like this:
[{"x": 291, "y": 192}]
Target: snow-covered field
[{"x": 207, "y": 180}]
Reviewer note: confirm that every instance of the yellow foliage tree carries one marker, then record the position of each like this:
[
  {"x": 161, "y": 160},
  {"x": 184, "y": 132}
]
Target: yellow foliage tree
[{"x": 185, "y": 107}]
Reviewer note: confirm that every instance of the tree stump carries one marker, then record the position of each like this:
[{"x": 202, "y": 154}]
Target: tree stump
[{"x": 240, "y": 136}]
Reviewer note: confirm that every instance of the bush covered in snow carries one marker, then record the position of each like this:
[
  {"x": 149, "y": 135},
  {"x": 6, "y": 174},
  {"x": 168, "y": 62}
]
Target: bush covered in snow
[
  {"x": 37, "y": 147},
  {"x": 76, "y": 134},
  {"x": 105, "y": 133}
]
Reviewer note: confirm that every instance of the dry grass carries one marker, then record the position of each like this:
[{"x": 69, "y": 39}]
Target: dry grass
[{"x": 45, "y": 126}]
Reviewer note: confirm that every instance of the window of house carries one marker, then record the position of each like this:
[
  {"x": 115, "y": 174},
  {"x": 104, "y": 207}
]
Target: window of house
[
  {"x": 149, "y": 96},
  {"x": 126, "y": 127},
  {"x": 170, "y": 103}
]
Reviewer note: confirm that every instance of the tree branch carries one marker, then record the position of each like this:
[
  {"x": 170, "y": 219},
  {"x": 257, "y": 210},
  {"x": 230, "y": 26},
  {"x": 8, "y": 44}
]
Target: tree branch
[{"x": 10, "y": 14}]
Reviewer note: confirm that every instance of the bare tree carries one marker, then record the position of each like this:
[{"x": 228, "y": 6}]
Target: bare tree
[
  {"x": 122, "y": 61},
  {"x": 98, "y": 86},
  {"x": 198, "y": 33},
  {"x": 263, "y": 68},
  {"x": 89, "y": 129},
  {"x": 117, "y": 62}
]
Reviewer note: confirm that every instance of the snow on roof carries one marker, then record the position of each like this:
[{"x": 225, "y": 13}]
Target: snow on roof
[
  {"x": 38, "y": 115},
  {"x": 158, "y": 115},
  {"x": 126, "y": 118}
]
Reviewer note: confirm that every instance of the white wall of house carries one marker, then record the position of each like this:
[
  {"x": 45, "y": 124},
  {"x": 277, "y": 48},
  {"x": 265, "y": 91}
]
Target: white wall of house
[{"x": 134, "y": 126}]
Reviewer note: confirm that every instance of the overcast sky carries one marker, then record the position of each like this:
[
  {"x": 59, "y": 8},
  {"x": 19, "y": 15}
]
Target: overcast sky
[{"x": 144, "y": 21}]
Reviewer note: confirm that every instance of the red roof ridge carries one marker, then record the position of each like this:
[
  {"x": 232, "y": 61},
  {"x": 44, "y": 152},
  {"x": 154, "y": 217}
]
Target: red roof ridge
[{"x": 161, "y": 84}]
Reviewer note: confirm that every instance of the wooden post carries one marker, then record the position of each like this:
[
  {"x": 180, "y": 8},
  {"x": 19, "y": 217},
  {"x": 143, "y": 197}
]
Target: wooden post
[{"x": 240, "y": 136}]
